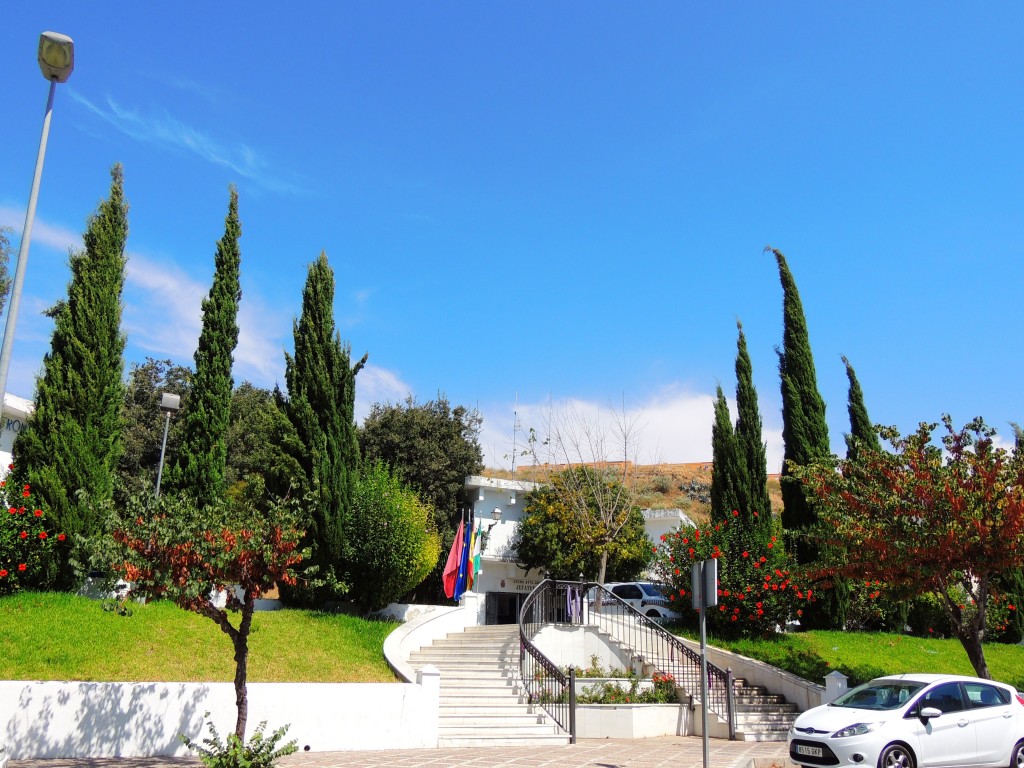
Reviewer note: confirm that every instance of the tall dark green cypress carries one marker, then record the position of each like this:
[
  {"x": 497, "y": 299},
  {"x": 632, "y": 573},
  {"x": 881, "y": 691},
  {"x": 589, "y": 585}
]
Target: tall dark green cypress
[
  {"x": 321, "y": 399},
  {"x": 862, "y": 431},
  {"x": 805, "y": 435},
  {"x": 750, "y": 442},
  {"x": 201, "y": 461},
  {"x": 74, "y": 439},
  {"x": 727, "y": 470}
]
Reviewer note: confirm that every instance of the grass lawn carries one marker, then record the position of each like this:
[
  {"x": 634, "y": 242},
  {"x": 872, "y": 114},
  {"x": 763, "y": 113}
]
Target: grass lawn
[
  {"x": 53, "y": 636},
  {"x": 864, "y": 655}
]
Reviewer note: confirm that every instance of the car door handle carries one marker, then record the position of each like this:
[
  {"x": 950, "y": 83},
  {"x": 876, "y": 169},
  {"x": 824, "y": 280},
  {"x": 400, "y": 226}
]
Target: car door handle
[
  {"x": 963, "y": 723},
  {"x": 1007, "y": 715}
]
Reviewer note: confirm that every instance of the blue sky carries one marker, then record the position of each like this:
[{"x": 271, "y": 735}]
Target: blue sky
[{"x": 556, "y": 202}]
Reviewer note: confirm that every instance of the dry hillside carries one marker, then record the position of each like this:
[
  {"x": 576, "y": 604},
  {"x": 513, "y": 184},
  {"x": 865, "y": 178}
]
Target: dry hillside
[{"x": 662, "y": 486}]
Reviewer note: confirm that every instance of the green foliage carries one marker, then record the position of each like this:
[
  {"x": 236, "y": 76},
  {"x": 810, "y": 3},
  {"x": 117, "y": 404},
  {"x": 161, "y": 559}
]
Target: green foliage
[
  {"x": 398, "y": 545},
  {"x": 5, "y": 260},
  {"x": 662, "y": 691},
  {"x": 144, "y": 423},
  {"x": 200, "y": 464},
  {"x": 432, "y": 447},
  {"x": 727, "y": 472},
  {"x": 27, "y": 557},
  {"x": 321, "y": 399},
  {"x": 263, "y": 449},
  {"x": 805, "y": 435},
  {"x": 947, "y": 521},
  {"x": 862, "y": 431},
  {"x": 750, "y": 445},
  {"x": 73, "y": 440},
  {"x": 259, "y": 752},
  {"x": 567, "y": 540},
  {"x": 756, "y": 589}
]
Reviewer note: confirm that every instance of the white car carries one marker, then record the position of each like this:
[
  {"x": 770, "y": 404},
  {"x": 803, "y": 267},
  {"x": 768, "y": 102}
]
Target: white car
[
  {"x": 646, "y": 597},
  {"x": 914, "y": 721}
]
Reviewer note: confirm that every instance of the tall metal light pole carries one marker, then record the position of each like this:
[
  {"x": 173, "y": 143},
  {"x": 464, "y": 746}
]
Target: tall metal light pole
[
  {"x": 169, "y": 403},
  {"x": 56, "y": 61}
]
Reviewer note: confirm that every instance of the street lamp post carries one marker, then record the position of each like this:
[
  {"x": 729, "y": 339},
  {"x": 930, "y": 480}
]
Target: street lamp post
[
  {"x": 56, "y": 61},
  {"x": 169, "y": 403}
]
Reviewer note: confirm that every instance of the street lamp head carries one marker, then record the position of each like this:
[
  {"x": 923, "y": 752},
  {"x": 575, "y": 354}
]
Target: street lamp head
[
  {"x": 170, "y": 402},
  {"x": 56, "y": 56}
]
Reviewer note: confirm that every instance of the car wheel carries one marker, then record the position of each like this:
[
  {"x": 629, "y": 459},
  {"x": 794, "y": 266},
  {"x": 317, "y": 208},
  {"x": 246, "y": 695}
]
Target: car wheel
[
  {"x": 896, "y": 756},
  {"x": 653, "y": 614},
  {"x": 1017, "y": 756}
]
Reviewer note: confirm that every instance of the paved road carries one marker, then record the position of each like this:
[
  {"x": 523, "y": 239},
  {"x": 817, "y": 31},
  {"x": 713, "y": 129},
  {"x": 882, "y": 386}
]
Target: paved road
[{"x": 662, "y": 752}]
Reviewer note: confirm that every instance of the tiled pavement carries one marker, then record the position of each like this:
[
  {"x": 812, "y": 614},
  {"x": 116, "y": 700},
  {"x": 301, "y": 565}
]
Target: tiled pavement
[{"x": 662, "y": 752}]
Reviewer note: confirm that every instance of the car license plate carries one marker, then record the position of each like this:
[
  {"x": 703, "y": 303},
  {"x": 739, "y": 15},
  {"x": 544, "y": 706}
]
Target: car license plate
[{"x": 809, "y": 751}]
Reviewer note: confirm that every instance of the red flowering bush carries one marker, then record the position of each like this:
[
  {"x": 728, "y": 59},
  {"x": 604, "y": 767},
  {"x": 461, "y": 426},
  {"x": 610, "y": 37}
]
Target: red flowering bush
[
  {"x": 756, "y": 592},
  {"x": 26, "y": 542}
]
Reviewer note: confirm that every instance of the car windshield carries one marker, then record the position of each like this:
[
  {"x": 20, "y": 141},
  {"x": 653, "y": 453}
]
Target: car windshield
[
  {"x": 652, "y": 590},
  {"x": 879, "y": 694}
]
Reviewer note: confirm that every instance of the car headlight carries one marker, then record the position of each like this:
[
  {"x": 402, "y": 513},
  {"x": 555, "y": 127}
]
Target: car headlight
[{"x": 857, "y": 729}]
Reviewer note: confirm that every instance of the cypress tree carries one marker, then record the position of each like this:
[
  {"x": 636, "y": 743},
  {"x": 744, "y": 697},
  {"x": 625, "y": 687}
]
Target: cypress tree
[
  {"x": 805, "y": 435},
  {"x": 74, "y": 438},
  {"x": 201, "y": 461},
  {"x": 321, "y": 399},
  {"x": 750, "y": 442},
  {"x": 726, "y": 472},
  {"x": 862, "y": 431}
]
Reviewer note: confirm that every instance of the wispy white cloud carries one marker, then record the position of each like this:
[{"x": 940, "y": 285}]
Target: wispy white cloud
[
  {"x": 673, "y": 426},
  {"x": 377, "y": 385},
  {"x": 163, "y": 315},
  {"x": 163, "y": 308},
  {"x": 49, "y": 235},
  {"x": 162, "y": 129}
]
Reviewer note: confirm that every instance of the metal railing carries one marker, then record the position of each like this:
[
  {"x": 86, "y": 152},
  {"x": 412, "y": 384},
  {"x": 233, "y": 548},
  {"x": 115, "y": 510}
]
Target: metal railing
[
  {"x": 545, "y": 684},
  {"x": 652, "y": 647}
]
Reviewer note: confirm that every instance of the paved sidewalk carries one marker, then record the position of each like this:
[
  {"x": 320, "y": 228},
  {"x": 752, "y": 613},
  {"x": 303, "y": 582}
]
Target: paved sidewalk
[{"x": 662, "y": 752}]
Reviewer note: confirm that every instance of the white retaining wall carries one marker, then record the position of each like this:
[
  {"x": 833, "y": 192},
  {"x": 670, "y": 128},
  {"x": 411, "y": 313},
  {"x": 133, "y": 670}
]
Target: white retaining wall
[
  {"x": 78, "y": 719},
  {"x": 803, "y": 693}
]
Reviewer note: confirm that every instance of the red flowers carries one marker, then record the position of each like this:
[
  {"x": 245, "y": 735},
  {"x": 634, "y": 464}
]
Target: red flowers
[
  {"x": 3, "y": 572},
  {"x": 24, "y": 534},
  {"x": 43, "y": 535},
  {"x": 61, "y": 537},
  {"x": 22, "y": 567},
  {"x": 38, "y": 513}
]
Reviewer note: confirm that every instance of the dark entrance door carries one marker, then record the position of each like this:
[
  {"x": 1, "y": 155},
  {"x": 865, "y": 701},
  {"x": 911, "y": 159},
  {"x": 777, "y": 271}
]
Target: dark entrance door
[{"x": 503, "y": 607}]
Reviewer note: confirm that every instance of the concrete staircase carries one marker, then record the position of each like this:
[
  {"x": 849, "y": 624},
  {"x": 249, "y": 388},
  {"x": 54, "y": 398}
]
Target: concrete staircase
[
  {"x": 481, "y": 705},
  {"x": 761, "y": 716}
]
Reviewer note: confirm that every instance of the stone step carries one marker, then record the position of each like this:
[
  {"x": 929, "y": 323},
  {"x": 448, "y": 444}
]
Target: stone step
[
  {"x": 490, "y": 721},
  {"x": 501, "y": 740}
]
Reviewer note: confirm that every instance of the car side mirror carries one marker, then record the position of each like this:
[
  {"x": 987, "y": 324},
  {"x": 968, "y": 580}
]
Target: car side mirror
[{"x": 929, "y": 712}]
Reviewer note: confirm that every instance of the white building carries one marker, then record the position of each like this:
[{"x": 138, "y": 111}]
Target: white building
[
  {"x": 498, "y": 506},
  {"x": 15, "y": 417}
]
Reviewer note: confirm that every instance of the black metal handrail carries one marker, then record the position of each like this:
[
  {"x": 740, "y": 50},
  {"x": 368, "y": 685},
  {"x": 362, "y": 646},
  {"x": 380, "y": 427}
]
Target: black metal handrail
[
  {"x": 652, "y": 646},
  {"x": 544, "y": 683}
]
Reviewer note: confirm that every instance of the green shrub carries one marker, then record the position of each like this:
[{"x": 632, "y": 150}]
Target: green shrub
[
  {"x": 258, "y": 752},
  {"x": 27, "y": 556},
  {"x": 393, "y": 542}
]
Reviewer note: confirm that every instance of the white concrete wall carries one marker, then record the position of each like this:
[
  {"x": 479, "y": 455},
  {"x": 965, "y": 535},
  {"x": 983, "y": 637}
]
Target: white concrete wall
[
  {"x": 803, "y": 693},
  {"x": 569, "y": 645},
  {"x": 632, "y": 721},
  {"x": 77, "y": 719}
]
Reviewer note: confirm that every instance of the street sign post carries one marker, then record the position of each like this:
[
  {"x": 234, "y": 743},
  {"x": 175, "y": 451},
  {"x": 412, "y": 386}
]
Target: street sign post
[{"x": 704, "y": 595}]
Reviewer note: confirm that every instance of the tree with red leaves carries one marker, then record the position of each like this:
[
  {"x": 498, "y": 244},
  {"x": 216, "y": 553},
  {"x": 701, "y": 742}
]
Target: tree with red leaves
[
  {"x": 926, "y": 519},
  {"x": 169, "y": 550}
]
